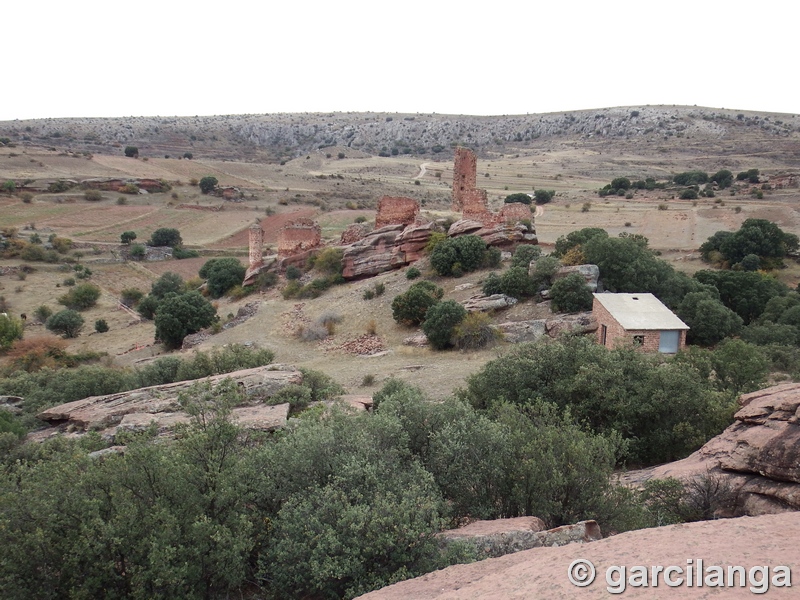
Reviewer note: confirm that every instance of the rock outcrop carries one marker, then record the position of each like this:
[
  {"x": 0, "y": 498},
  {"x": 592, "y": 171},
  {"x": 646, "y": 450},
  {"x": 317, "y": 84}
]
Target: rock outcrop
[
  {"x": 372, "y": 254},
  {"x": 504, "y": 235},
  {"x": 530, "y": 331},
  {"x": 482, "y": 303},
  {"x": 758, "y": 456},
  {"x": 111, "y": 184},
  {"x": 137, "y": 409},
  {"x": 542, "y": 572},
  {"x": 518, "y": 332},
  {"x": 591, "y": 273},
  {"x": 503, "y": 536}
]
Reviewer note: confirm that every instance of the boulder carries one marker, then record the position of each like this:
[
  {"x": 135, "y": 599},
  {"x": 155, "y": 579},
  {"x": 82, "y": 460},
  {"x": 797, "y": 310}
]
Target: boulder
[
  {"x": 410, "y": 244},
  {"x": 571, "y": 324},
  {"x": 591, "y": 273},
  {"x": 507, "y": 236},
  {"x": 419, "y": 340},
  {"x": 518, "y": 332},
  {"x": 482, "y": 303},
  {"x": 464, "y": 227}
]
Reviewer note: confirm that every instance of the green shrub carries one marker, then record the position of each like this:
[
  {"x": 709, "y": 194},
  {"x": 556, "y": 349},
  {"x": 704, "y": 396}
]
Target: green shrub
[
  {"x": 126, "y": 237},
  {"x": 517, "y": 198},
  {"x": 413, "y": 273},
  {"x": 441, "y": 320},
  {"x": 100, "y": 326},
  {"x": 137, "y": 251},
  {"x": 165, "y": 236},
  {"x": 81, "y": 297},
  {"x": 93, "y": 195},
  {"x": 182, "y": 253},
  {"x": 293, "y": 273},
  {"x": 543, "y": 196},
  {"x": 208, "y": 184},
  {"x": 514, "y": 282},
  {"x": 524, "y": 254},
  {"x": 475, "y": 332},
  {"x": 571, "y": 294},
  {"x": 410, "y": 307},
  {"x": 42, "y": 312},
  {"x": 130, "y": 297},
  {"x": 329, "y": 261},
  {"x": 131, "y": 151},
  {"x": 66, "y": 322},
  {"x": 178, "y": 315},
  {"x": 11, "y": 329},
  {"x": 461, "y": 254},
  {"x": 222, "y": 274}
]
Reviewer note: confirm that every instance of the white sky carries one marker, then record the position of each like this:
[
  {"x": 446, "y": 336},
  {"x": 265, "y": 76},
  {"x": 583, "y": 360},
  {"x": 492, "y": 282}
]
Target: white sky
[{"x": 112, "y": 58}]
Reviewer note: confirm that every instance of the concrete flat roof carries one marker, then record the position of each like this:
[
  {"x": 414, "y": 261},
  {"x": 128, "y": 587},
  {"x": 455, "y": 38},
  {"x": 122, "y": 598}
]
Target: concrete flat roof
[{"x": 640, "y": 311}]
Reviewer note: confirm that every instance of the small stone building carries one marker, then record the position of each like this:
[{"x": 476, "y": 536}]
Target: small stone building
[{"x": 638, "y": 319}]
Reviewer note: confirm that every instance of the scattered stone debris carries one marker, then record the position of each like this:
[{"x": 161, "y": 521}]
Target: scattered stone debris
[
  {"x": 294, "y": 319},
  {"x": 363, "y": 345}
]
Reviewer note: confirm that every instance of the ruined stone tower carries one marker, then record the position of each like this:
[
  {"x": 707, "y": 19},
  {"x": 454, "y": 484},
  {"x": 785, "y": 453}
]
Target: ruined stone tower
[
  {"x": 464, "y": 176},
  {"x": 256, "y": 244}
]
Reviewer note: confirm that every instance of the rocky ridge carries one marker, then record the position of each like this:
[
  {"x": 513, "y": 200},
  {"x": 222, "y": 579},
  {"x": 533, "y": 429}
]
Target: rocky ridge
[{"x": 757, "y": 457}]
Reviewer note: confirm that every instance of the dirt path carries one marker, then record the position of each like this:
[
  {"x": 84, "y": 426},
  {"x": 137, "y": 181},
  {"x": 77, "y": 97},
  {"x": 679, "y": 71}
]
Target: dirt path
[{"x": 423, "y": 168}]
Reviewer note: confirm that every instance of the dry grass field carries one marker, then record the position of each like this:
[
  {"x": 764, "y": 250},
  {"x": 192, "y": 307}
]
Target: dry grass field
[{"x": 312, "y": 181}]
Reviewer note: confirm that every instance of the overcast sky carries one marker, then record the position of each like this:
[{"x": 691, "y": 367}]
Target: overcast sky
[{"x": 87, "y": 58}]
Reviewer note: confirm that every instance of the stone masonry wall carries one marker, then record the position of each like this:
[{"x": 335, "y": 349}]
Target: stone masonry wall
[
  {"x": 464, "y": 176},
  {"x": 256, "y": 245},
  {"x": 475, "y": 205},
  {"x": 298, "y": 236},
  {"x": 396, "y": 211},
  {"x": 516, "y": 211}
]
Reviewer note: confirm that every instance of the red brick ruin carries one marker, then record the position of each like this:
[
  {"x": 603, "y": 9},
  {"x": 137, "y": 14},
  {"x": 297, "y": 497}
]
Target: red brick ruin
[
  {"x": 298, "y": 236},
  {"x": 472, "y": 202},
  {"x": 396, "y": 211},
  {"x": 465, "y": 176},
  {"x": 256, "y": 244}
]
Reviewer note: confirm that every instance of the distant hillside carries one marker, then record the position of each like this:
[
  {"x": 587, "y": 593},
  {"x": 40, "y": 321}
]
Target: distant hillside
[{"x": 279, "y": 137}]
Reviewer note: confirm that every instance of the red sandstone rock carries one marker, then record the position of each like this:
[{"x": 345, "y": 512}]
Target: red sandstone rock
[
  {"x": 542, "y": 572},
  {"x": 396, "y": 211},
  {"x": 758, "y": 455},
  {"x": 372, "y": 255},
  {"x": 410, "y": 244}
]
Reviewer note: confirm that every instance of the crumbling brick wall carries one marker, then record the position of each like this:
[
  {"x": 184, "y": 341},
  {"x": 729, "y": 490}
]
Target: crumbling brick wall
[
  {"x": 256, "y": 245},
  {"x": 476, "y": 205},
  {"x": 514, "y": 212},
  {"x": 298, "y": 236},
  {"x": 464, "y": 176},
  {"x": 396, "y": 211}
]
